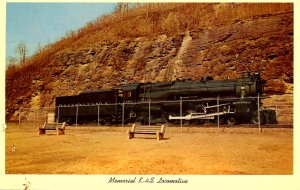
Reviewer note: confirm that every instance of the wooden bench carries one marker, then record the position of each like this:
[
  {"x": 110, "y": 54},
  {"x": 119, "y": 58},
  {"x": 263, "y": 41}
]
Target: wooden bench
[
  {"x": 159, "y": 131},
  {"x": 59, "y": 127}
]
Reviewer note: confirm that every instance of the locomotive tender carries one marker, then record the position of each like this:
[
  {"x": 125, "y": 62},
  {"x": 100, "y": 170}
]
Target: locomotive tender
[{"x": 226, "y": 101}]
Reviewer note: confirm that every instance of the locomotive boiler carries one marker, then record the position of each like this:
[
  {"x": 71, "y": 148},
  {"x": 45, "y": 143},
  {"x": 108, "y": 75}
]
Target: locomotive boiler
[{"x": 199, "y": 101}]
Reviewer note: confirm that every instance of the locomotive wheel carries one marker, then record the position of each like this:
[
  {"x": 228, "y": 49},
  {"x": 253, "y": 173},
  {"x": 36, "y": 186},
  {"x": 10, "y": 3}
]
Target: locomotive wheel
[
  {"x": 174, "y": 121},
  {"x": 211, "y": 121},
  {"x": 255, "y": 119},
  {"x": 112, "y": 121},
  {"x": 81, "y": 122},
  {"x": 192, "y": 122},
  {"x": 222, "y": 120},
  {"x": 143, "y": 118},
  {"x": 102, "y": 121},
  {"x": 200, "y": 121},
  {"x": 231, "y": 120},
  {"x": 131, "y": 120},
  {"x": 165, "y": 118},
  {"x": 70, "y": 122},
  {"x": 143, "y": 121}
]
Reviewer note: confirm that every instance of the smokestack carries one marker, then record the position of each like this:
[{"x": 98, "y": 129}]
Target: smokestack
[{"x": 246, "y": 75}]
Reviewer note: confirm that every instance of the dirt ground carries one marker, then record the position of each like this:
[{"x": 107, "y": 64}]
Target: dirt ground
[{"x": 107, "y": 150}]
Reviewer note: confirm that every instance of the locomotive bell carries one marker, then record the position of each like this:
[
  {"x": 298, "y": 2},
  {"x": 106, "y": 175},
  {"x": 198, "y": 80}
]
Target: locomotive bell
[{"x": 243, "y": 92}]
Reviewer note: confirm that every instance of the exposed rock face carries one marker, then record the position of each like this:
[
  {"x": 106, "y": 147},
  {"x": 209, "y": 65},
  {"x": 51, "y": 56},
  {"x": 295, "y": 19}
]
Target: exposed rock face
[{"x": 263, "y": 44}]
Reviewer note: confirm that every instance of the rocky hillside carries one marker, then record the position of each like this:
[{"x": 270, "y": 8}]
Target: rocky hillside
[{"x": 260, "y": 42}]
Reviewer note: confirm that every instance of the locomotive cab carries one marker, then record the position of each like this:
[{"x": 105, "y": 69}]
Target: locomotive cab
[{"x": 128, "y": 92}]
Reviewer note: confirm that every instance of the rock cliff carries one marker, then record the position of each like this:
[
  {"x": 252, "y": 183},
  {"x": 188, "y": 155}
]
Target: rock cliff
[{"x": 262, "y": 43}]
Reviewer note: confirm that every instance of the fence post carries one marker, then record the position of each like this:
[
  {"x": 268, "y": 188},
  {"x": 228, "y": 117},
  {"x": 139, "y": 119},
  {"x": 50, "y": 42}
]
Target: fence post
[
  {"x": 276, "y": 111},
  {"x": 34, "y": 118},
  {"x": 57, "y": 119},
  {"x": 123, "y": 116},
  {"x": 218, "y": 110},
  {"x": 180, "y": 103},
  {"x": 20, "y": 111},
  {"x": 98, "y": 114},
  {"x": 76, "y": 114},
  {"x": 258, "y": 113},
  {"x": 46, "y": 116},
  {"x": 149, "y": 111}
]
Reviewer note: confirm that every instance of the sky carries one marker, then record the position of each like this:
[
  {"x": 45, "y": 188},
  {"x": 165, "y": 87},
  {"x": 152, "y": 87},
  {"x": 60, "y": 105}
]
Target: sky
[{"x": 43, "y": 23}]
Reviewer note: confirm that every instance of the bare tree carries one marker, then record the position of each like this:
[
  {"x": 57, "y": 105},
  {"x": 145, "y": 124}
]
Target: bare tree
[
  {"x": 11, "y": 62},
  {"x": 22, "y": 51},
  {"x": 122, "y": 7},
  {"x": 125, "y": 7},
  {"x": 118, "y": 8},
  {"x": 39, "y": 49}
]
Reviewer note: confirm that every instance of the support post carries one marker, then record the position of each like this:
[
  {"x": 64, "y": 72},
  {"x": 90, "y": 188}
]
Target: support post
[
  {"x": 258, "y": 113},
  {"x": 98, "y": 115},
  {"x": 20, "y": 111},
  {"x": 123, "y": 109},
  {"x": 218, "y": 110},
  {"x": 57, "y": 119},
  {"x": 46, "y": 116},
  {"x": 276, "y": 111},
  {"x": 149, "y": 112},
  {"x": 34, "y": 118},
  {"x": 180, "y": 103},
  {"x": 76, "y": 115}
]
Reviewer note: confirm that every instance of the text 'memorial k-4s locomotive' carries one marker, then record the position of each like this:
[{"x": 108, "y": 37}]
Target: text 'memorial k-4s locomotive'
[{"x": 196, "y": 101}]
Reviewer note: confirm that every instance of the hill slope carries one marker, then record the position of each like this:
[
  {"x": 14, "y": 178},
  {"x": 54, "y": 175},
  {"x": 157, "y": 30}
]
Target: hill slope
[{"x": 161, "y": 43}]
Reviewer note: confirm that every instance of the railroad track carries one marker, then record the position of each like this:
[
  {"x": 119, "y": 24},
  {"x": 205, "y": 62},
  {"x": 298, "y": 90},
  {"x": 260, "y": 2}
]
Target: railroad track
[{"x": 278, "y": 126}]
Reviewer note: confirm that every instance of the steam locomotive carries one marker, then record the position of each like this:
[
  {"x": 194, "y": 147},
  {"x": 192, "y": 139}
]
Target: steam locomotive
[{"x": 194, "y": 101}]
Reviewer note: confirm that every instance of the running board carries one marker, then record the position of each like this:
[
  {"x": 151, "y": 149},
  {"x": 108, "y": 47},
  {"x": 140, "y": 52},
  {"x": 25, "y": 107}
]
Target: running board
[{"x": 199, "y": 116}]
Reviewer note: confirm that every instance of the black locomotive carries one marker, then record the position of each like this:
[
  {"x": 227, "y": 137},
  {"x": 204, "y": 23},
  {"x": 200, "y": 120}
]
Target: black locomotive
[{"x": 226, "y": 101}]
